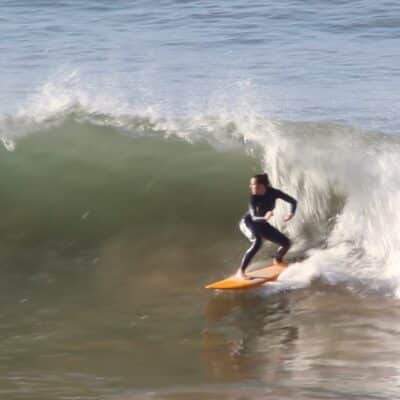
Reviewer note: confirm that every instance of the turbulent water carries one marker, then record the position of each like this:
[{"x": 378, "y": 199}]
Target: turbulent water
[{"x": 129, "y": 131}]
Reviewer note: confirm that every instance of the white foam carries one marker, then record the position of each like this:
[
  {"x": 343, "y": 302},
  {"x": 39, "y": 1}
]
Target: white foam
[{"x": 347, "y": 181}]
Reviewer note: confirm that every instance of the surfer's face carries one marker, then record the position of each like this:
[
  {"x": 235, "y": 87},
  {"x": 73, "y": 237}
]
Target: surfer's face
[{"x": 256, "y": 187}]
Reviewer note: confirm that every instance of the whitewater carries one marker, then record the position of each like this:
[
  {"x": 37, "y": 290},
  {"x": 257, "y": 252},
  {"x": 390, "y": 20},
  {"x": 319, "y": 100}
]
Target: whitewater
[
  {"x": 345, "y": 177},
  {"x": 128, "y": 134}
]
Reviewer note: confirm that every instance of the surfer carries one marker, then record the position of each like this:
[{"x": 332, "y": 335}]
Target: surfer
[{"x": 254, "y": 224}]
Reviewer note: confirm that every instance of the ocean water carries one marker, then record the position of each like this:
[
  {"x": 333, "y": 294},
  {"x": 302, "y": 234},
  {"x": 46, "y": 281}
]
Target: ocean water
[{"x": 129, "y": 131}]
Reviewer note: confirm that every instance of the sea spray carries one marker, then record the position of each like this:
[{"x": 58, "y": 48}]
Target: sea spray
[{"x": 105, "y": 156}]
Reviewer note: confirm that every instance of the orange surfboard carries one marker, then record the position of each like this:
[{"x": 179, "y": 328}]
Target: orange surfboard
[{"x": 256, "y": 278}]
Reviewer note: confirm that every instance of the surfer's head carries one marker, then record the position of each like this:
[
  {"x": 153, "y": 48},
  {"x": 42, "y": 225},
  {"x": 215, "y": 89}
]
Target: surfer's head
[{"x": 259, "y": 183}]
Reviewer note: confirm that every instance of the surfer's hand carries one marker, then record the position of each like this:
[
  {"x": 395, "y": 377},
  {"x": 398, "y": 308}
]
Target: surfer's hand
[
  {"x": 268, "y": 215},
  {"x": 288, "y": 217}
]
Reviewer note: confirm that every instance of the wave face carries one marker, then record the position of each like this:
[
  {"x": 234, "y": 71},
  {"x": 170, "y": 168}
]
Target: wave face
[
  {"x": 82, "y": 181},
  {"x": 74, "y": 176}
]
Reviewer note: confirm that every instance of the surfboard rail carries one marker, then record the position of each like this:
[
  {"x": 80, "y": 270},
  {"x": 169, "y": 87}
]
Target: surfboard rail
[{"x": 256, "y": 278}]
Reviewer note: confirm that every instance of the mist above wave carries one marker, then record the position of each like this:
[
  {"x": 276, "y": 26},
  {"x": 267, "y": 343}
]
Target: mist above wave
[{"x": 103, "y": 150}]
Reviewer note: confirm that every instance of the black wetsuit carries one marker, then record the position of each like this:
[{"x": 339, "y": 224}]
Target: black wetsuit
[{"x": 255, "y": 227}]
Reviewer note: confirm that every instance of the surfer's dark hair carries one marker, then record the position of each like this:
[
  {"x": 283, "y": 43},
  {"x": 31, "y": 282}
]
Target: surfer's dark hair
[{"x": 263, "y": 179}]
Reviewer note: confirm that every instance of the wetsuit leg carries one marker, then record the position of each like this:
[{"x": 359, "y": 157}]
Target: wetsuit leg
[
  {"x": 255, "y": 240},
  {"x": 272, "y": 234}
]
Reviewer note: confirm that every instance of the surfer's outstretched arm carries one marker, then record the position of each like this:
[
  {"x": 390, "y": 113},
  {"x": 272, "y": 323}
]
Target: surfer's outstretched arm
[{"x": 289, "y": 199}]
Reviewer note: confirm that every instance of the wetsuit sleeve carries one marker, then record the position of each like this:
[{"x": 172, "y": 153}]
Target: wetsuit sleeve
[{"x": 289, "y": 199}]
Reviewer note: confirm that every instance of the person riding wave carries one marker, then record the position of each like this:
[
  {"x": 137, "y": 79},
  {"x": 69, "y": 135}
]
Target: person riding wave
[{"x": 254, "y": 224}]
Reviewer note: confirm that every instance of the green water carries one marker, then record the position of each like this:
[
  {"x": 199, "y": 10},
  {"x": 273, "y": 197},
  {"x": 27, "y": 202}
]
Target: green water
[{"x": 105, "y": 251}]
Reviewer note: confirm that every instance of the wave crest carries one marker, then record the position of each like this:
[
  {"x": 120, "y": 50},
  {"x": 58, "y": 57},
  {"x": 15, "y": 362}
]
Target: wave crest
[{"x": 133, "y": 168}]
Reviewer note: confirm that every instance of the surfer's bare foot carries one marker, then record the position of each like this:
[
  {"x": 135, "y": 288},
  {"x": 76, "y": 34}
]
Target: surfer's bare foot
[
  {"x": 279, "y": 262},
  {"x": 240, "y": 274}
]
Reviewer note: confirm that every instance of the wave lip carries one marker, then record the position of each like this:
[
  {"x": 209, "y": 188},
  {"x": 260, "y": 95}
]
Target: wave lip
[{"x": 346, "y": 179}]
